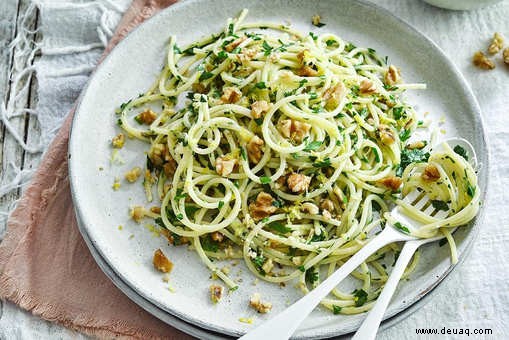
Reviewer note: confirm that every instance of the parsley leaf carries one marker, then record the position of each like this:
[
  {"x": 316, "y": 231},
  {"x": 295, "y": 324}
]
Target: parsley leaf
[
  {"x": 336, "y": 309},
  {"x": 404, "y": 135},
  {"x": 439, "y": 205},
  {"x": 313, "y": 146},
  {"x": 322, "y": 164},
  {"x": 360, "y": 297},
  {"x": 208, "y": 244},
  {"x": 205, "y": 75},
  {"x": 402, "y": 227},
  {"x": 311, "y": 276},
  {"x": 261, "y": 85},
  {"x": 265, "y": 180},
  {"x": 409, "y": 156},
  {"x": 461, "y": 151},
  {"x": 279, "y": 227},
  {"x": 267, "y": 48}
]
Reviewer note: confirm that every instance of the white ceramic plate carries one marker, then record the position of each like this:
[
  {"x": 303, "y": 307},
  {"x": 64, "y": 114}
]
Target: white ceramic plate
[{"x": 133, "y": 66}]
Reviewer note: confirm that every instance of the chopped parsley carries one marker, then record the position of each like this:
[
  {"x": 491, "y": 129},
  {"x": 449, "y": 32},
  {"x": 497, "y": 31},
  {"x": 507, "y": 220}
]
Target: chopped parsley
[
  {"x": 402, "y": 228},
  {"x": 322, "y": 164},
  {"x": 315, "y": 145},
  {"x": 409, "y": 156},
  {"x": 243, "y": 153},
  {"x": 220, "y": 204},
  {"x": 399, "y": 112},
  {"x": 279, "y": 227},
  {"x": 261, "y": 85},
  {"x": 461, "y": 151},
  {"x": 302, "y": 268},
  {"x": 440, "y": 205},
  {"x": 360, "y": 297},
  {"x": 312, "y": 276},
  {"x": 404, "y": 135},
  {"x": 377, "y": 156},
  {"x": 336, "y": 309},
  {"x": 266, "y": 48},
  {"x": 265, "y": 180},
  {"x": 470, "y": 190},
  {"x": 205, "y": 76},
  {"x": 313, "y": 36},
  {"x": 208, "y": 244}
]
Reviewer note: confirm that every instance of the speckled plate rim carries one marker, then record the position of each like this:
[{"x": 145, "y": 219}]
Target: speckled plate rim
[{"x": 411, "y": 305}]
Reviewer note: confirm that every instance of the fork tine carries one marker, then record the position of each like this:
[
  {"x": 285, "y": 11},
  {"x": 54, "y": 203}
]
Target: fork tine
[
  {"x": 410, "y": 198},
  {"x": 441, "y": 214},
  {"x": 422, "y": 202},
  {"x": 429, "y": 209}
]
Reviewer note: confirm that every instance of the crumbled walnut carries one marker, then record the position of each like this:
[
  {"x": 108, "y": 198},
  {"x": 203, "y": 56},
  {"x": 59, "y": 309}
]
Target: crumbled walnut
[
  {"x": 234, "y": 44},
  {"x": 392, "y": 182},
  {"x": 416, "y": 145},
  {"x": 161, "y": 262},
  {"x": 315, "y": 20},
  {"x": 367, "y": 87},
  {"x": 146, "y": 117},
  {"x": 430, "y": 173},
  {"x": 133, "y": 174},
  {"x": 298, "y": 182},
  {"x": 310, "y": 208},
  {"x": 137, "y": 213},
  {"x": 155, "y": 210},
  {"x": 392, "y": 76},
  {"x": 259, "y": 305},
  {"x": 267, "y": 266},
  {"x": 505, "y": 56},
  {"x": 293, "y": 129},
  {"x": 254, "y": 149},
  {"x": 224, "y": 166},
  {"x": 327, "y": 204},
  {"x": 307, "y": 71},
  {"x": 217, "y": 236},
  {"x": 259, "y": 108},
  {"x": 386, "y": 134},
  {"x": 262, "y": 206},
  {"x": 480, "y": 60},
  {"x": 216, "y": 293},
  {"x": 118, "y": 141},
  {"x": 231, "y": 95},
  {"x": 157, "y": 153},
  {"x": 334, "y": 95},
  {"x": 199, "y": 88},
  {"x": 247, "y": 54},
  {"x": 496, "y": 43},
  {"x": 169, "y": 168}
]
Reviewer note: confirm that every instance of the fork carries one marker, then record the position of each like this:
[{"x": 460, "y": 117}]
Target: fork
[
  {"x": 283, "y": 325},
  {"x": 369, "y": 328}
]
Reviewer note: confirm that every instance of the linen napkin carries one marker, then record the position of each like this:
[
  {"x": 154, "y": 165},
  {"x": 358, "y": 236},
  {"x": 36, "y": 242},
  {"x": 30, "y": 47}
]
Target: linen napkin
[{"x": 46, "y": 267}]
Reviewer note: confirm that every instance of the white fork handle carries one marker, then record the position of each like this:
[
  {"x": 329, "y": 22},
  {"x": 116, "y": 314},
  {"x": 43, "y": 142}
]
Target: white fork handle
[
  {"x": 283, "y": 325},
  {"x": 369, "y": 327}
]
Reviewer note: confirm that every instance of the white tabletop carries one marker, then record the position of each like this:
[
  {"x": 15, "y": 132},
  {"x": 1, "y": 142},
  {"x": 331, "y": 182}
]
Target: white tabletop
[{"x": 475, "y": 296}]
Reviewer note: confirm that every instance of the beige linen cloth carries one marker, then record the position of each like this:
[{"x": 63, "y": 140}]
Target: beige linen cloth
[{"x": 46, "y": 267}]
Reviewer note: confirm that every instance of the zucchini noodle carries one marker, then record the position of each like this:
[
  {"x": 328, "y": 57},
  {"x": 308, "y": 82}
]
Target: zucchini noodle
[{"x": 288, "y": 150}]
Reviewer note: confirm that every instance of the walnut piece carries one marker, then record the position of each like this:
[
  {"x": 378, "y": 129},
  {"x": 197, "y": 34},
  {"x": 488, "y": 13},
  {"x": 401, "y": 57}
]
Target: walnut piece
[
  {"x": 334, "y": 95},
  {"x": 496, "y": 43},
  {"x": 293, "y": 129},
  {"x": 137, "y": 213},
  {"x": 259, "y": 305},
  {"x": 234, "y": 44},
  {"x": 254, "y": 149},
  {"x": 315, "y": 20},
  {"x": 259, "y": 108},
  {"x": 480, "y": 60},
  {"x": 217, "y": 236},
  {"x": 367, "y": 87},
  {"x": 224, "y": 166},
  {"x": 431, "y": 173},
  {"x": 310, "y": 208},
  {"x": 161, "y": 262},
  {"x": 327, "y": 204},
  {"x": 267, "y": 266},
  {"x": 392, "y": 182},
  {"x": 262, "y": 206},
  {"x": 132, "y": 175},
  {"x": 216, "y": 293},
  {"x": 386, "y": 134},
  {"x": 146, "y": 117},
  {"x": 505, "y": 56},
  {"x": 118, "y": 141},
  {"x": 307, "y": 71},
  {"x": 231, "y": 95},
  {"x": 298, "y": 182},
  {"x": 392, "y": 76}
]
